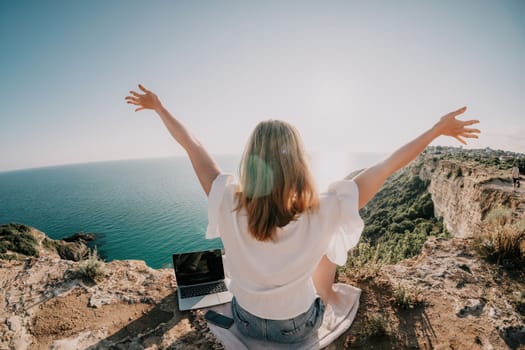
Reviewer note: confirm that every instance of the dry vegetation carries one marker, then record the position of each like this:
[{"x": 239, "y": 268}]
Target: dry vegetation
[
  {"x": 92, "y": 268},
  {"x": 501, "y": 241},
  {"x": 407, "y": 298}
]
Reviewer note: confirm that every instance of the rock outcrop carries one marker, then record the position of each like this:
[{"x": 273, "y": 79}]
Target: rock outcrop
[
  {"x": 21, "y": 240},
  {"x": 464, "y": 192},
  {"x": 46, "y": 304},
  {"x": 445, "y": 298}
]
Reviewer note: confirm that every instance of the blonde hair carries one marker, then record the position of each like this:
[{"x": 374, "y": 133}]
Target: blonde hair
[{"x": 275, "y": 181}]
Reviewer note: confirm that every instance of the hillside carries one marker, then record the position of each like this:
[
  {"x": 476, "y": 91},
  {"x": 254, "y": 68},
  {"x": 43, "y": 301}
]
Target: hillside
[
  {"x": 426, "y": 283},
  {"x": 428, "y": 279}
]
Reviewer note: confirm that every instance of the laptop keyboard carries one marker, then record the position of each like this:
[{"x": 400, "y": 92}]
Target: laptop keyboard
[{"x": 195, "y": 291}]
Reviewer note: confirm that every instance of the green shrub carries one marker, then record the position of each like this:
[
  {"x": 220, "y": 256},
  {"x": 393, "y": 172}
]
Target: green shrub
[
  {"x": 92, "y": 268},
  {"x": 7, "y": 257},
  {"x": 49, "y": 244},
  {"x": 398, "y": 221},
  {"x": 406, "y": 225},
  {"x": 17, "y": 238},
  {"x": 26, "y": 244}
]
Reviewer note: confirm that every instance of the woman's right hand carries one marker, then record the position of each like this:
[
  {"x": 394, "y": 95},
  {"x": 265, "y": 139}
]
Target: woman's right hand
[
  {"x": 448, "y": 125},
  {"x": 148, "y": 100}
]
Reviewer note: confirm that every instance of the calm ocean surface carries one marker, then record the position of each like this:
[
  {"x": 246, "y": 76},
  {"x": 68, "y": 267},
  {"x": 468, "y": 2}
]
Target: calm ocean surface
[{"x": 139, "y": 209}]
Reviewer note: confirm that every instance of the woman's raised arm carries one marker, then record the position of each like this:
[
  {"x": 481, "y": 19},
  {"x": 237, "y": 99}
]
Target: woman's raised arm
[
  {"x": 203, "y": 164},
  {"x": 370, "y": 180}
]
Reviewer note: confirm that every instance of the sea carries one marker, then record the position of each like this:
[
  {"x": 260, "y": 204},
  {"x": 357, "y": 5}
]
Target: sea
[{"x": 143, "y": 209}]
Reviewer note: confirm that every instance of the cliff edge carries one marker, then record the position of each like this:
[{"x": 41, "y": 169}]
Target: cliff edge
[
  {"x": 436, "y": 292},
  {"x": 466, "y": 186},
  {"x": 47, "y": 302}
]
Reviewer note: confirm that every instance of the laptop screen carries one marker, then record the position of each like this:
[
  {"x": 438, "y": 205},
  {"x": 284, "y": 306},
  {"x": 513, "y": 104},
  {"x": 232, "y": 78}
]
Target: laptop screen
[{"x": 198, "y": 267}]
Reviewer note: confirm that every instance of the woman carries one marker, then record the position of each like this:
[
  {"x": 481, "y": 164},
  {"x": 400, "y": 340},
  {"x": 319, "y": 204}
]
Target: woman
[
  {"x": 515, "y": 175},
  {"x": 283, "y": 240}
]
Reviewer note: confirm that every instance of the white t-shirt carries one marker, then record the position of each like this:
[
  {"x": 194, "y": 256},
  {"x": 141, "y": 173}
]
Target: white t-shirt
[
  {"x": 273, "y": 280},
  {"x": 515, "y": 172}
]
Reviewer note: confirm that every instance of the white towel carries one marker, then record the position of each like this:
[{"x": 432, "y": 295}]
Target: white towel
[{"x": 335, "y": 322}]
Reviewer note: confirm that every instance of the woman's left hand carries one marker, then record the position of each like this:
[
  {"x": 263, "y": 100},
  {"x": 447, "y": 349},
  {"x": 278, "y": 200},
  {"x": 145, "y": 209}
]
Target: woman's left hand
[{"x": 148, "y": 100}]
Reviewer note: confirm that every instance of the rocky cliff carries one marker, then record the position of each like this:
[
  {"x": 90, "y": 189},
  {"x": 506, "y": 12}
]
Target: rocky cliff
[
  {"x": 444, "y": 297},
  {"x": 49, "y": 302},
  {"x": 465, "y": 190}
]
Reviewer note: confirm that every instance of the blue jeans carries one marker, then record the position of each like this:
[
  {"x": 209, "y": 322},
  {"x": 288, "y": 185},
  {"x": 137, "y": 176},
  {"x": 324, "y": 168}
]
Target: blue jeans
[{"x": 282, "y": 331}]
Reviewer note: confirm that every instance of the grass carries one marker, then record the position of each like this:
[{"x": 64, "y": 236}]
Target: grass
[
  {"x": 406, "y": 298},
  {"x": 92, "y": 268},
  {"x": 365, "y": 261},
  {"x": 501, "y": 241}
]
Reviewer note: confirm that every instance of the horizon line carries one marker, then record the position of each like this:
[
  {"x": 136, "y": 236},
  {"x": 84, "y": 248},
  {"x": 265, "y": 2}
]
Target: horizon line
[{"x": 215, "y": 154}]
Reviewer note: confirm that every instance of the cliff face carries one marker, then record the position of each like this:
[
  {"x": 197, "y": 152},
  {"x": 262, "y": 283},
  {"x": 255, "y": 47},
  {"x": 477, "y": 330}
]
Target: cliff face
[
  {"x": 464, "y": 192},
  {"x": 446, "y": 296}
]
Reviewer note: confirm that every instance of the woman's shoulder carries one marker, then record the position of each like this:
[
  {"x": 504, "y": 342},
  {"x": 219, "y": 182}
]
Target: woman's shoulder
[
  {"x": 341, "y": 196},
  {"x": 224, "y": 181},
  {"x": 223, "y": 187},
  {"x": 341, "y": 188}
]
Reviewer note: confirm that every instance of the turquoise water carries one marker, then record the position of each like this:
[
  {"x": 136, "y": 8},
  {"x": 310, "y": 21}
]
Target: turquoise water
[{"x": 139, "y": 209}]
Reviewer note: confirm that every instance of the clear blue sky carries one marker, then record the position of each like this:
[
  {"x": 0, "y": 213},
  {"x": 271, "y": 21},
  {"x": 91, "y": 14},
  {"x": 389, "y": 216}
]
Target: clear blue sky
[{"x": 356, "y": 76}]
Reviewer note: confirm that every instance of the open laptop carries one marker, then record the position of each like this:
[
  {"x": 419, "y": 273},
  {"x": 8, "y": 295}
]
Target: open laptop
[{"x": 200, "y": 279}]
